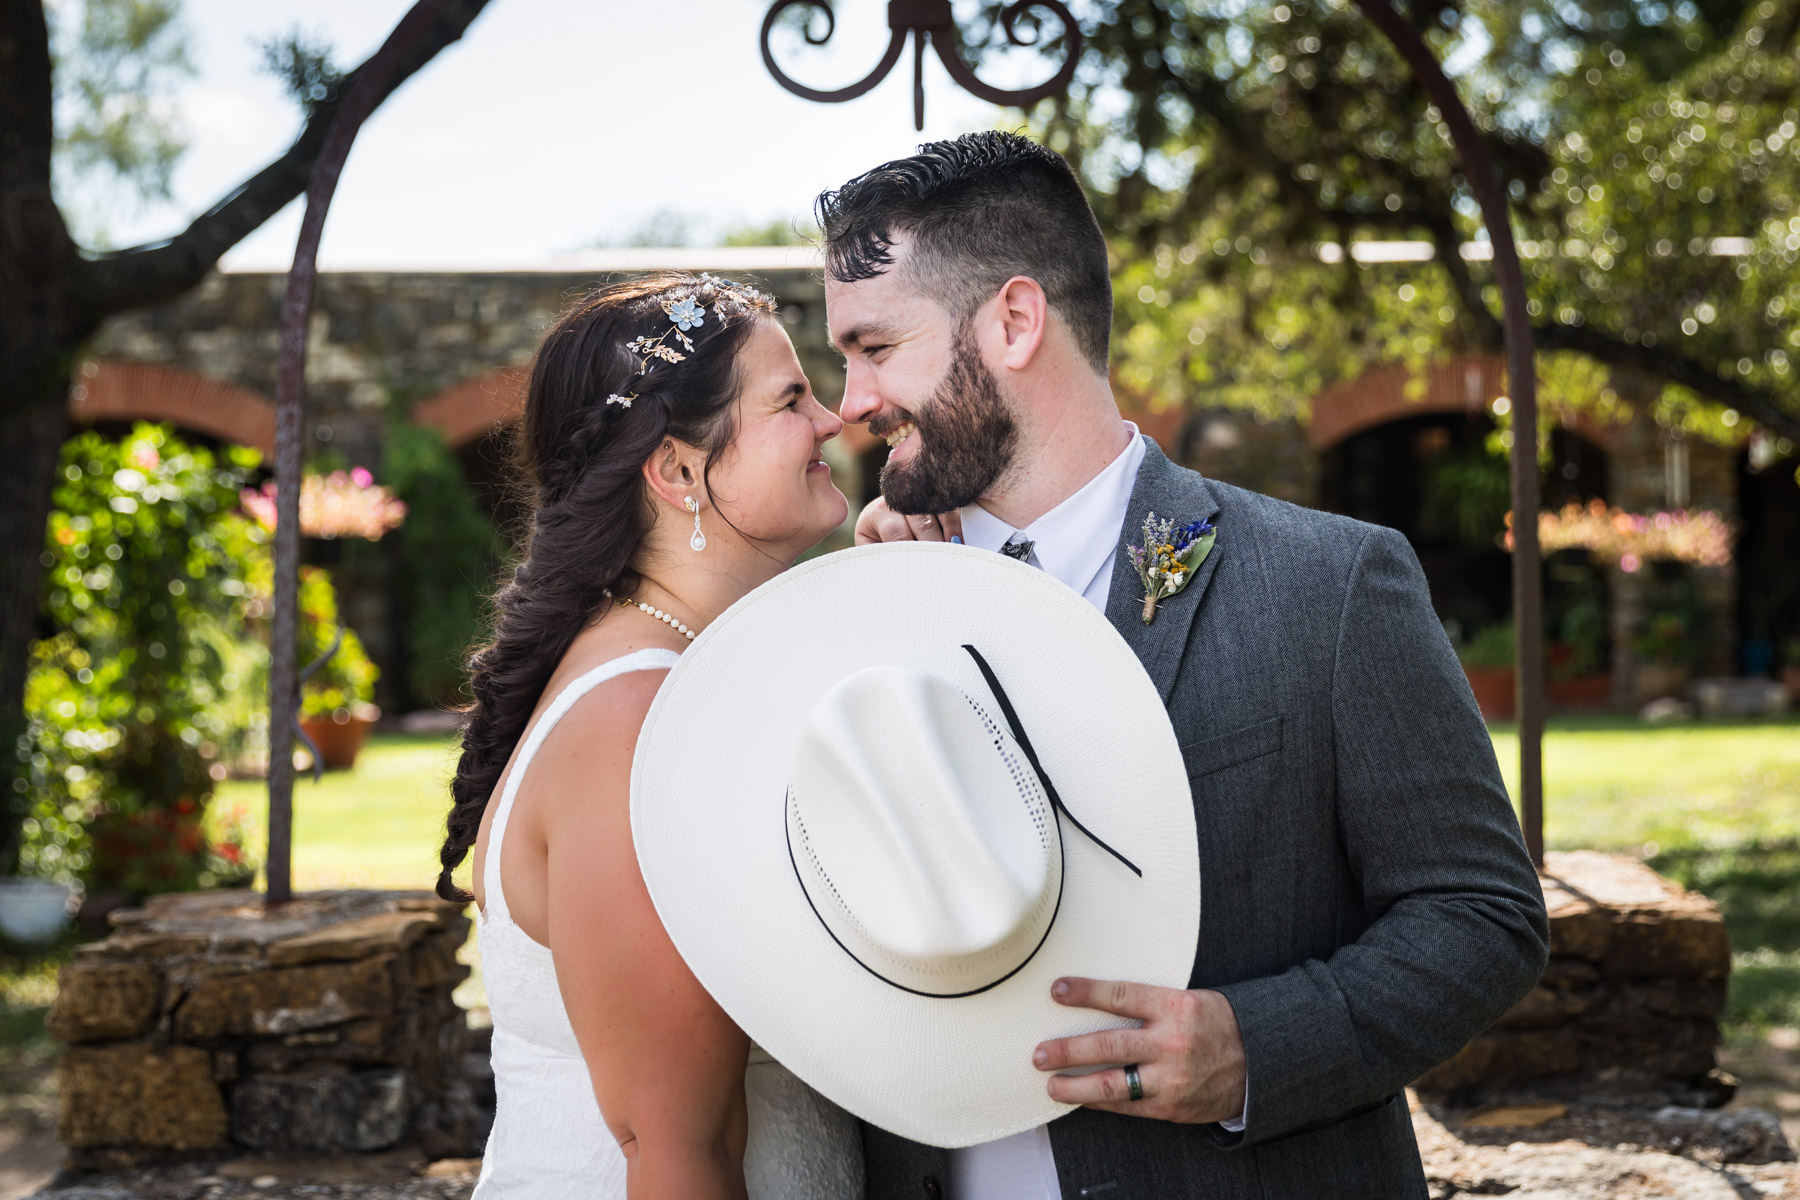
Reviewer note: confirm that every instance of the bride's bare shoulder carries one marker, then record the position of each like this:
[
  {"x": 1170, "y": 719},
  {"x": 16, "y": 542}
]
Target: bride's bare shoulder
[{"x": 595, "y": 738}]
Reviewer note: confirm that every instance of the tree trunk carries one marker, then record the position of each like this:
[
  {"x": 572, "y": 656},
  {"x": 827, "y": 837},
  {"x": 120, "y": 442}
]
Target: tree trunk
[{"x": 31, "y": 436}]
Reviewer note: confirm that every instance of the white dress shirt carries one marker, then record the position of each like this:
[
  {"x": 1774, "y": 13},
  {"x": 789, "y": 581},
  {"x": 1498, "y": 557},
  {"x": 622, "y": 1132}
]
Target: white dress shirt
[{"x": 1077, "y": 542}]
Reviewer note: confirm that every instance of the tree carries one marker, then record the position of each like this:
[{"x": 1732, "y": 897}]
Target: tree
[
  {"x": 114, "y": 62},
  {"x": 54, "y": 294},
  {"x": 1650, "y": 154}
]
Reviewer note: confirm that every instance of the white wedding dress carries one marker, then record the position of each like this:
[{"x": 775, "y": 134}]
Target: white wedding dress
[{"x": 548, "y": 1141}]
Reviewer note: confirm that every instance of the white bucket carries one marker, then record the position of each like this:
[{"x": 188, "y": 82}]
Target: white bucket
[{"x": 33, "y": 911}]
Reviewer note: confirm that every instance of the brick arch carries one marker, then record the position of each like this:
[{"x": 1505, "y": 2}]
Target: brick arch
[
  {"x": 1464, "y": 383},
  {"x": 475, "y": 407},
  {"x": 106, "y": 390}
]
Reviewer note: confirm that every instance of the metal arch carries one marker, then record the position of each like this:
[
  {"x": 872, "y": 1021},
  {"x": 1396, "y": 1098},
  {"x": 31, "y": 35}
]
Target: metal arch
[
  {"x": 1521, "y": 370},
  {"x": 947, "y": 45},
  {"x": 933, "y": 19},
  {"x": 928, "y": 20},
  {"x": 838, "y": 96}
]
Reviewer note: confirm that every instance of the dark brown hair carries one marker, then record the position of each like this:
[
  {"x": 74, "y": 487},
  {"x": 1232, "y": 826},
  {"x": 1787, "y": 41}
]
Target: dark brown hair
[
  {"x": 580, "y": 459},
  {"x": 980, "y": 209}
]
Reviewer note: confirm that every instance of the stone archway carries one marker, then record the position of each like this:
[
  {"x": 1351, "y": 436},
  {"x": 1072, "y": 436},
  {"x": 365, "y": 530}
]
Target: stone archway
[
  {"x": 107, "y": 390},
  {"x": 470, "y": 410},
  {"x": 1463, "y": 383}
]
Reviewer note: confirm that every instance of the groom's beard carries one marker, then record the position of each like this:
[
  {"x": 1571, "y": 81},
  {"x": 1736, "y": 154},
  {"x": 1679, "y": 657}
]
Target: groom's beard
[{"x": 967, "y": 438}]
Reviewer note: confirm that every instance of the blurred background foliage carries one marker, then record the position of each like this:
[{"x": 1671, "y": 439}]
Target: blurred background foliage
[
  {"x": 1649, "y": 150},
  {"x": 343, "y": 681},
  {"x": 137, "y": 690},
  {"x": 117, "y": 64},
  {"x": 449, "y": 551}
]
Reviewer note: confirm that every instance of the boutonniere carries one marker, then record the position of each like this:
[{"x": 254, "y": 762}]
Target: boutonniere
[{"x": 1169, "y": 557}]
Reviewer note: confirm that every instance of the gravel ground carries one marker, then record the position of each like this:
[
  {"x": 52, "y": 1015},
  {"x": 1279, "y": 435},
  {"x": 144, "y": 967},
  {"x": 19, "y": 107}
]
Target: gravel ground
[{"x": 1526, "y": 1153}]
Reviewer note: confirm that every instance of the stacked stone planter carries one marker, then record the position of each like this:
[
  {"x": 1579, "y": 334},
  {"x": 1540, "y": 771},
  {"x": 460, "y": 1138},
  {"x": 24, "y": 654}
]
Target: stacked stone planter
[
  {"x": 207, "y": 1026},
  {"x": 1628, "y": 1008}
]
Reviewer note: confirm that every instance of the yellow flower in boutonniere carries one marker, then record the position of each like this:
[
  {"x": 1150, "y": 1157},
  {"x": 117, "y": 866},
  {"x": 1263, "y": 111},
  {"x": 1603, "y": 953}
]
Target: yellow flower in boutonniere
[{"x": 1176, "y": 552}]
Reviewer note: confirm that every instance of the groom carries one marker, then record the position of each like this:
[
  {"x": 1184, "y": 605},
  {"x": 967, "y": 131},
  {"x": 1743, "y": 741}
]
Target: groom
[{"x": 1367, "y": 903}]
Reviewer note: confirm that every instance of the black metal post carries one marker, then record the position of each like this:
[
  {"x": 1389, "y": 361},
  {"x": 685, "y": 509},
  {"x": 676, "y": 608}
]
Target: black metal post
[
  {"x": 366, "y": 88},
  {"x": 1528, "y": 590}
]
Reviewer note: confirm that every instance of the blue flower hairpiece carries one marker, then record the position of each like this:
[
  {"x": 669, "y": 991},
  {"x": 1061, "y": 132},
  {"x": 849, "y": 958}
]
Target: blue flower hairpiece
[{"x": 687, "y": 313}]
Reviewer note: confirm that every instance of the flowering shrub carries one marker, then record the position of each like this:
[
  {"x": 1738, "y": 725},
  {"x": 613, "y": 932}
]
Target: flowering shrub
[
  {"x": 147, "y": 583},
  {"x": 1629, "y": 540},
  {"x": 341, "y": 504},
  {"x": 346, "y": 681}
]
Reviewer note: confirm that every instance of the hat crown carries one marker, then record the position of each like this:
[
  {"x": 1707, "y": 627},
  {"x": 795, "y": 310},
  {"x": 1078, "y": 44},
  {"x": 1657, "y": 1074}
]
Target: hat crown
[{"x": 920, "y": 832}]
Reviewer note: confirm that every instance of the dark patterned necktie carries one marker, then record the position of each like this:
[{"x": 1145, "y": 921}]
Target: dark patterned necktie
[{"x": 1018, "y": 547}]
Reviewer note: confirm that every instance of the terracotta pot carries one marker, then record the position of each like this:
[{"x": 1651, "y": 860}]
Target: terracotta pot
[
  {"x": 1656, "y": 681},
  {"x": 1493, "y": 688},
  {"x": 1790, "y": 675},
  {"x": 1581, "y": 692},
  {"x": 338, "y": 737}
]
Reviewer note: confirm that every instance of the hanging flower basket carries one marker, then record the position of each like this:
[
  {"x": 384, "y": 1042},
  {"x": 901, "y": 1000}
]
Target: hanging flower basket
[
  {"x": 1629, "y": 540},
  {"x": 341, "y": 504}
]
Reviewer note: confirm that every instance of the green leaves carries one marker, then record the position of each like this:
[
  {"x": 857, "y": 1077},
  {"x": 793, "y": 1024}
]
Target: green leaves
[
  {"x": 116, "y": 63},
  {"x": 1651, "y": 155},
  {"x": 150, "y": 578}
]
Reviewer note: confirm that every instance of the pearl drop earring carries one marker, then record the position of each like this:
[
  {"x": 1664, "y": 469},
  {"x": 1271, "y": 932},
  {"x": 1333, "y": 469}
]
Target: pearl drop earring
[{"x": 698, "y": 542}]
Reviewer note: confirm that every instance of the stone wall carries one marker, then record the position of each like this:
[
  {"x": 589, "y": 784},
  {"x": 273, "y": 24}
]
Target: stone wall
[
  {"x": 384, "y": 345},
  {"x": 1628, "y": 1008},
  {"x": 207, "y": 1025}
]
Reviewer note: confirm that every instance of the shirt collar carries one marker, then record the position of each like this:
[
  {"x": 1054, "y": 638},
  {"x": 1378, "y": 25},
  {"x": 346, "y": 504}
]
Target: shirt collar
[{"x": 1078, "y": 538}]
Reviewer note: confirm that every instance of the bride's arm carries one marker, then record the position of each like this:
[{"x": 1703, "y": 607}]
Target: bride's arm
[{"x": 667, "y": 1063}]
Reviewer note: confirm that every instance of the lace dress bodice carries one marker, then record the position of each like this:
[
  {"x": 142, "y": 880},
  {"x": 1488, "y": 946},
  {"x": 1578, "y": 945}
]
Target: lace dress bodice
[{"x": 549, "y": 1141}]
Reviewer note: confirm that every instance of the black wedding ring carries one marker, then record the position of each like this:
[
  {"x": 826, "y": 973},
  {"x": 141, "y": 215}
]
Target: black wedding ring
[{"x": 1134, "y": 1086}]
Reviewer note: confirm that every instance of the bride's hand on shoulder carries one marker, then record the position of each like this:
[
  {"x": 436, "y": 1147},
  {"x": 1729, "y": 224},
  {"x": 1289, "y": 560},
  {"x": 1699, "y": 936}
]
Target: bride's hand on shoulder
[{"x": 879, "y": 523}]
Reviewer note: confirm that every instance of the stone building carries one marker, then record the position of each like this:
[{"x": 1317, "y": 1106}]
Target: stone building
[{"x": 449, "y": 350}]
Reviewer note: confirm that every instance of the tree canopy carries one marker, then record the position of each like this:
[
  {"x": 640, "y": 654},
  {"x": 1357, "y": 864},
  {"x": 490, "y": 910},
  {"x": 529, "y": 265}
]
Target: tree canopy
[{"x": 1650, "y": 154}]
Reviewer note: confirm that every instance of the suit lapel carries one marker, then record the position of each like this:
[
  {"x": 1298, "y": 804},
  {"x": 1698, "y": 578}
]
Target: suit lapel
[{"x": 1168, "y": 491}]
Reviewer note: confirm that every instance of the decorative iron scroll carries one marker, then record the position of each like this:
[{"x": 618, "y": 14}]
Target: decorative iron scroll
[{"x": 928, "y": 20}]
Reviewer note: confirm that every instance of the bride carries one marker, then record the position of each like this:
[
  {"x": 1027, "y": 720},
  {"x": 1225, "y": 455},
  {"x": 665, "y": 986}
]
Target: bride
[{"x": 671, "y": 443}]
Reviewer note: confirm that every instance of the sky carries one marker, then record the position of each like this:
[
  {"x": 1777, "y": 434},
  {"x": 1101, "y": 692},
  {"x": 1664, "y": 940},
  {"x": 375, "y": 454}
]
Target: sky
[{"x": 553, "y": 124}]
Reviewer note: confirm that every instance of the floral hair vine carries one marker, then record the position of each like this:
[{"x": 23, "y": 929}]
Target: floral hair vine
[{"x": 684, "y": 314}]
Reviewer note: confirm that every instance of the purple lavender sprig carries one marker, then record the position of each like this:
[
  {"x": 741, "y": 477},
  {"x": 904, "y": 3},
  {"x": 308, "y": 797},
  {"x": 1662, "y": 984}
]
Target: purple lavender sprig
[{"x": 1169, "y": 557}]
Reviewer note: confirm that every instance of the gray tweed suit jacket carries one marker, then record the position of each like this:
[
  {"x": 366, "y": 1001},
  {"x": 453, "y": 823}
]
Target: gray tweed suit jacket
[{"x": 1367, "y": 903}]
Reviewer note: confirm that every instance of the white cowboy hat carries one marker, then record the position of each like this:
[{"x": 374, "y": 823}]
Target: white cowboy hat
[{"x": 886, "y": 799}]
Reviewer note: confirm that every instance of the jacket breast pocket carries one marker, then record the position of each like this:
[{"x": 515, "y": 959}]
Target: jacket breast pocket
[{"x": 1208, "y": 756}]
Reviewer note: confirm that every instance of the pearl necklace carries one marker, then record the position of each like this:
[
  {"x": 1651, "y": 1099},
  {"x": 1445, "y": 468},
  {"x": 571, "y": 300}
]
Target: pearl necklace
[{"x": 666, "y": 618}]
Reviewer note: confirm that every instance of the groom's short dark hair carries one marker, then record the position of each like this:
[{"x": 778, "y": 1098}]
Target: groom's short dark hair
[{"x": 979, "y": 209}]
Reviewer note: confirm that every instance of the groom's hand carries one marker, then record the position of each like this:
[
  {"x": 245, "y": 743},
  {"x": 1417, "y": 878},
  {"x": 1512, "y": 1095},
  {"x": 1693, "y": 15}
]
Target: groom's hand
[
  {"x": 879, "y": 523},
  {"x": 1189, "y": 1053}
]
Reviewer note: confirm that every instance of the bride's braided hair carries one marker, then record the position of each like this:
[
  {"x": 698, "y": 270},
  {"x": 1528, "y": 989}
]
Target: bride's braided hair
[{"x": 581, "y": 450}]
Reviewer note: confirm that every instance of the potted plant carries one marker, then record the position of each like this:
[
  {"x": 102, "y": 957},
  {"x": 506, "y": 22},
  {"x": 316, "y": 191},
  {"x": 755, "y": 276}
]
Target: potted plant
[
  {"x": 336, "y": 708},
  {"x": 1487, "y": 659},
  {"x": 1578, "y": 657},
  {"x": 1665, "y": 654}
]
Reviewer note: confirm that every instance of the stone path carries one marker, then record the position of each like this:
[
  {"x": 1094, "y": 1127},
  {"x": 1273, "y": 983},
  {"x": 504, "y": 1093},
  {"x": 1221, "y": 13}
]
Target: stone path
[{"x": 1533, "y": 1154}]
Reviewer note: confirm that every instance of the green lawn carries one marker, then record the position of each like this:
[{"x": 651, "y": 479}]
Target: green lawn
[
  {"x": 379, "y": 825},
  {"x": 1613, "y": 783},
  {"x": 1714, "y": 805}
]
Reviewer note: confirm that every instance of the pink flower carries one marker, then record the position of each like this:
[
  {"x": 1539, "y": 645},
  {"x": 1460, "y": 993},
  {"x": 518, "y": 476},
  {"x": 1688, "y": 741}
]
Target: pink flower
[{"x": 1629, "y": 563}]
